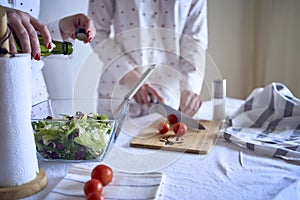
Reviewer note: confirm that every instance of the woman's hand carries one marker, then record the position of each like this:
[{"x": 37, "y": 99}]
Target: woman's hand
[
  {"x": 146, "y": 94},
  {"x": 25, "y": 27},
  {"x": 71, "y": 24},
  {"x": 190, "y": 102}
]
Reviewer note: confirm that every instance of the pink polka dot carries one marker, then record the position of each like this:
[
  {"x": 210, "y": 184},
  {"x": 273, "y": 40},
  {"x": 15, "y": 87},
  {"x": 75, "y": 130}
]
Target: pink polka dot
[
  {"x": 166, "y": 12},
  {"x": 133, "y": 9},
  {"x": 131, "y": 24}
]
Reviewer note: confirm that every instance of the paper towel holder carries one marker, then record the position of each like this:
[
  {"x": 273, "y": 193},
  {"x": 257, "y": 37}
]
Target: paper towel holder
[{"x": 27, "y": 189}]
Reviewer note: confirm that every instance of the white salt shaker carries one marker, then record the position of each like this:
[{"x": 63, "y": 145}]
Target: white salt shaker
[{"x": 218, "y": 99}]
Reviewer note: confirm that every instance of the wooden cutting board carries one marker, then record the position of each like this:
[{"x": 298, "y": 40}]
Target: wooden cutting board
[{"x": 194, "y": 141}]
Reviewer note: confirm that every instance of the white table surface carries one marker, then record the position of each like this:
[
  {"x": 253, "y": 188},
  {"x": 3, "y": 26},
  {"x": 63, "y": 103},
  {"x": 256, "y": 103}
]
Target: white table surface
[{"x": 227, "y": 172}]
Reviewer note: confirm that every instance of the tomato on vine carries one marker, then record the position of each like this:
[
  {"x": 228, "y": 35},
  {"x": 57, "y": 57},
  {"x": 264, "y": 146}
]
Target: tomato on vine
[
  {"x": 95, "y": 196},
  {"x": 163, "y": 127},
  {"x": 172, "y": 119},
  {"x": 180, "y": 129},
  {"x": 103, "y": 173},
  {"x": 93, "y": 185}
]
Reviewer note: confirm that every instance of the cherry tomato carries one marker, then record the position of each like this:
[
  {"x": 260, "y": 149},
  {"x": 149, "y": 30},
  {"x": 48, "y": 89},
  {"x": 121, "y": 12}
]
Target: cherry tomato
[
  {"x": 172, "y": 119},
  {"x": 180, "y": 129},
  {"x": 103, "y": 173},
  {"x": 163, "y": 127},
  {"x": 93, "y": 185},
  {"x": 95, "y": 196}
]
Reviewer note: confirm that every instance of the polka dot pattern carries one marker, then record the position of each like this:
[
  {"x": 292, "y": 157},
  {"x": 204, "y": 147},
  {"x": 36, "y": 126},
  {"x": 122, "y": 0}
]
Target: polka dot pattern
[
  {"x": 30, "y": 6},
  {"x": 147, "y": 32}
]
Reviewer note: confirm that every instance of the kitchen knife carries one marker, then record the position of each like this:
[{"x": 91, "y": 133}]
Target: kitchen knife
[
  {"x": 166, "y": 110},
  {"x": 122, "y": 109}
]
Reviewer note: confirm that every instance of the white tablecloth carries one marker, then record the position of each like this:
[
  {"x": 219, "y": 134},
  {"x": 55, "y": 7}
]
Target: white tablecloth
[{"x": 227, "y": 172}]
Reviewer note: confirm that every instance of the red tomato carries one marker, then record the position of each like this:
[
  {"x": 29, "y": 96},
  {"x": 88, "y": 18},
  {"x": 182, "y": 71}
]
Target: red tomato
[
  {"x": 103, "y": 173},
  {"x": 95, "y": 196},
  {"x": 163, "y": 127},
  {"x": 180, "y": 129},
  {"x": 93, "y": 185},
  {"x": 172, "y": 119}
]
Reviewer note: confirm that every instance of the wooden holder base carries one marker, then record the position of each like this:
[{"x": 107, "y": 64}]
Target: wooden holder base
[{"x": 25, "y": 190}]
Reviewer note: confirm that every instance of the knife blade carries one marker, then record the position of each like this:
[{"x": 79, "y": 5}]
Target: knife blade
[{"x": 166, "y": 110}]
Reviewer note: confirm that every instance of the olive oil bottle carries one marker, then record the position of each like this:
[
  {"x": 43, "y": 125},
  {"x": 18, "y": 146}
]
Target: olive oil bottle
[{"x": 64, "y": 48}]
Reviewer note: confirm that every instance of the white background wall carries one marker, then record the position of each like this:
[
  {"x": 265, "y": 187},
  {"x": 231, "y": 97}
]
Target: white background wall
[
  {"x": 228, "y": 50},
  {"x": 228, "y": 44},
  {"x": 78, "y": 75}
]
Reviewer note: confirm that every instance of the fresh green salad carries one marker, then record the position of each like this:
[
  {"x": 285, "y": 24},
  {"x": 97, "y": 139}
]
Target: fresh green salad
[{"x": 78, "y": 137}]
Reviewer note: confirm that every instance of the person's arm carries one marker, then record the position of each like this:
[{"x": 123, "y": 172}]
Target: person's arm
[
  {"x": 193, "y": 49},
  {"x": 109, "y": 50}
]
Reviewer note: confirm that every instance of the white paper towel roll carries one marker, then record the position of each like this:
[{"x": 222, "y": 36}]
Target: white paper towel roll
[{"x": 18, "y": 162}]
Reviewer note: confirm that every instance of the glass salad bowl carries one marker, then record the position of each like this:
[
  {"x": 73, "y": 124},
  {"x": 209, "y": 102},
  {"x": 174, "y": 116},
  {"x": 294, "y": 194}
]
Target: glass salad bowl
[{"x": 76, "y": 130}]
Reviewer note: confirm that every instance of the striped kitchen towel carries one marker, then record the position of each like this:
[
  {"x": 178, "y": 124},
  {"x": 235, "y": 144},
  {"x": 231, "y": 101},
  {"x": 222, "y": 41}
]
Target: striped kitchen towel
[
  {"x": 125, "y": 186},
  {"x": 268, "y": 122}
]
